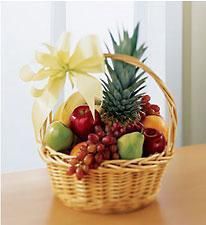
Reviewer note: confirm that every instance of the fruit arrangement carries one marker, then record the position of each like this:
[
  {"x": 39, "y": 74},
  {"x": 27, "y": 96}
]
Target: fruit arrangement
[
  {"x": 91, "y": 141},
  {"x": 107, "y": 145},
  {"x": 125, "y": 124}
]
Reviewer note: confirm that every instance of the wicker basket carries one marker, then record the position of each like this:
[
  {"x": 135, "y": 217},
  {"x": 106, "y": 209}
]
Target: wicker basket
[{"x": 118, "y": 185}]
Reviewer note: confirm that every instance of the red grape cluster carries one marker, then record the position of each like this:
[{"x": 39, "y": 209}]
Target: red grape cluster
[
  {"x": 100, "y": 146},
  {"x": 118, "y": 129},
  {"x": 135, "y": 126},
  {"x": 148, "y": 108}
]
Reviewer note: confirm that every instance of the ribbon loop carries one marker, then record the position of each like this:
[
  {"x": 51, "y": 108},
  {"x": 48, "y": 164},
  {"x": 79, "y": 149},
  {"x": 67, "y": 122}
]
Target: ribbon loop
[{"x": 87, "y": 58}]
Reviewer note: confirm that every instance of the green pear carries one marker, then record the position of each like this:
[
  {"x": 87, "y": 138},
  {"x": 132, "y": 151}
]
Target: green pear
[
  {"x": 131, "y": 145},
  {"x": 58, "y": 136}
]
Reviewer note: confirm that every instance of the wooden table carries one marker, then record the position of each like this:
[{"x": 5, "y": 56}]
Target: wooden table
[{"x": 27, "y": 198}]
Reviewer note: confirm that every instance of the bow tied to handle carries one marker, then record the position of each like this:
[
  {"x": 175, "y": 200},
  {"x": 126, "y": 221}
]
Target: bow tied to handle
[{"x": 59, "y": 63}]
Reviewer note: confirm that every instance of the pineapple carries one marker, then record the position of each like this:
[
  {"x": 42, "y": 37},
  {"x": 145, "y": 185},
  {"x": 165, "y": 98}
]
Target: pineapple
[{"x": 122, "y": 90}]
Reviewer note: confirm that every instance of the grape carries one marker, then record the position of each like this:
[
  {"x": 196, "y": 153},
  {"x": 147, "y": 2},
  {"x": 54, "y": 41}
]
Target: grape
[
  {"x": 93, "y": 138},
  {"x": 88, "y": 160},
  {"x": 150, "y": 111},
  {"x": 74, "y": 161},
  {"x": 100, "y": 147},
  {"x": 115, "y": 155},
  {"x": 122, "y": 130},
  {"x": 107, "y": 129},
  {"x": 81, "y": 154},
  {"x": 106, "y": 154},
  {"x": 99, "y": 158},
  {"x": 71, "y": 170},
  {"x": 101, "y": 134},
  {"x": 107, "y": 140},
  {"x": 85, "y": 168},
  {"x": 113, "y": 148},
  {"x": 142, "y": 115},
  {"x": 110, "y": 133},
  {"x": 113, "y": 141},
  {"x": 116, "y": 133},
  {"x": 156, "y": 108},
  {"x": 79, "y": 173},
  {"x": 92, "y": 148},
  {"x": 145, "y": 98},
  {"x": 97, "y": 128},
  {"x": 129, "y": 127},
  {"x": 116, "y": 125},
  {"x": 147, "y": 106},
  {"x": 83, "y": 147},
  {"x": 112, "y": 129}
]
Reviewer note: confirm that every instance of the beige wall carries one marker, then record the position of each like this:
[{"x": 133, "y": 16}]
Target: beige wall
[{"x": 194, "y": 67}]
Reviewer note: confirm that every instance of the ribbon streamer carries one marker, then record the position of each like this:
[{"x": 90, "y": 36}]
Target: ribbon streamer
[{"x": 59, "y": 63}]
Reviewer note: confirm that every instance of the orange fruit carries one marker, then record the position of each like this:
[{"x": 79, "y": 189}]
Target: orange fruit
[
  {"x": 76, "y": 148},
  {"x": 156, "y": 122}
]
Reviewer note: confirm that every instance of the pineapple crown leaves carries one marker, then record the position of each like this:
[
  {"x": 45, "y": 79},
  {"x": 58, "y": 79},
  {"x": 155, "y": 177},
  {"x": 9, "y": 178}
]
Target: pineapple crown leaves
[
  {"x": 124, "y": 82},
  {"x": 127, "y": 45}
]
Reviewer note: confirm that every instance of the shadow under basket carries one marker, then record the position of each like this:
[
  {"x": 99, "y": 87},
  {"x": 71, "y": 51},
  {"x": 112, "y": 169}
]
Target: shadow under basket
[{"x": 117, "y": 185}]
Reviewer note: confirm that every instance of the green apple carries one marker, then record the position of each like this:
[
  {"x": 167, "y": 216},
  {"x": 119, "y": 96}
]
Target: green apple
[
  {"x": 58, "y": 136},
  {"x": 131, "y": 145}
]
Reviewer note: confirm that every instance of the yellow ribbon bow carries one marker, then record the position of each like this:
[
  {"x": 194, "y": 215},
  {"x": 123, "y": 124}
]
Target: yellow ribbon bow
[{"x": 56, "y": 66}]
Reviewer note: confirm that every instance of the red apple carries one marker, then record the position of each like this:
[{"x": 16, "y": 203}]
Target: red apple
[
  {"x": 154, "y": 142},
  {"x": 82, "y": 122}
]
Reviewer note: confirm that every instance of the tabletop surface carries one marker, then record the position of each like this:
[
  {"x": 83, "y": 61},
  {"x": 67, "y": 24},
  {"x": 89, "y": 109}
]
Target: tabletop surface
[{"x": 27, "y": 198}]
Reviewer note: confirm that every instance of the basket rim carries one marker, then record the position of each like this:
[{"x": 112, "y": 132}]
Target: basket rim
[
  {"x": 51, "y": 156},
  {"x": 151, "y": 162}
]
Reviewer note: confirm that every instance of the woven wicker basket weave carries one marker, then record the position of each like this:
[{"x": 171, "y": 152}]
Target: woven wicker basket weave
[{"x": 117, "y": 185}]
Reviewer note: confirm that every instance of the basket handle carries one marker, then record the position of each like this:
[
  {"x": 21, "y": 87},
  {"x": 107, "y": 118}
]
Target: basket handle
[{"x": 170, "y": 101}]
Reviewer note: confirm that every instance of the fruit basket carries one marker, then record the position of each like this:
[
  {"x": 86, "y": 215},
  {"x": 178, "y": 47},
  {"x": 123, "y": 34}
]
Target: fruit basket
[{"x": 118, "y": 184}]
